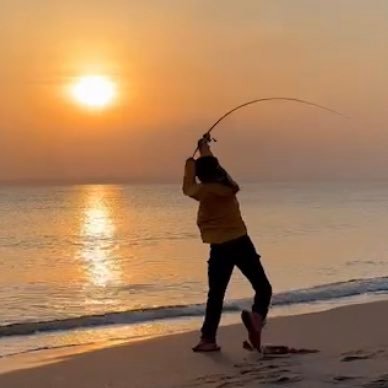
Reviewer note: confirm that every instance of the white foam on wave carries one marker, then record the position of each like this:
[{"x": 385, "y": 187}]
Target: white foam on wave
[{"x": 327, "y": 292}]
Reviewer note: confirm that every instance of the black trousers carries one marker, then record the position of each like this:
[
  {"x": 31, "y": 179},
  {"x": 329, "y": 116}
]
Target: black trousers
[{"x": 223, "y": 257}]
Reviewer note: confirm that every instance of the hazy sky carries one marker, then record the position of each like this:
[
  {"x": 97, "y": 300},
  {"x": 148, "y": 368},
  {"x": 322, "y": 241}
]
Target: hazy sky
[{"x": 179, "y": 64}]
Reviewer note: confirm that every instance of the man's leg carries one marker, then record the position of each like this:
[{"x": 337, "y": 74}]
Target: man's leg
[
  {"x": 248, "y": 261},
  {"x": 220, "y": 268},
  {"x": 250, "y": 265}
]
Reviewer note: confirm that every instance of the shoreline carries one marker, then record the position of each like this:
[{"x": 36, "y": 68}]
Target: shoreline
[
  {"x": 167, "y": 361},
  {"x": 99, "y": 337}
]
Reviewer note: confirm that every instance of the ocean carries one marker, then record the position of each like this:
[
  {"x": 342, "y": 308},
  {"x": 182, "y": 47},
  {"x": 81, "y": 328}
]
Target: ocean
[{"x": 89, "y": 264}]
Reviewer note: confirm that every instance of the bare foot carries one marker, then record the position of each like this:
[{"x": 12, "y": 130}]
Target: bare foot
[
  {"x": 254, "y": 324},
  {"x": 206, "y": 346}
]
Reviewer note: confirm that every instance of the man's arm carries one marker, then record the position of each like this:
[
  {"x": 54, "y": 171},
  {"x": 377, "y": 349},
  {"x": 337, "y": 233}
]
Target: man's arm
[
  {"x": 229, "y": 182},
  {"x": 204, "y": 150},
  {"x": 204, "y": 147},
  {"x": 232, "y": 183},
  {"x": 190, "y": 186}
]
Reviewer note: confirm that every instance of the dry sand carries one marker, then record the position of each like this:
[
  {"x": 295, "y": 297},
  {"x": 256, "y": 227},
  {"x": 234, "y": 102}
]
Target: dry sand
[{"x": 352, "y": 343}]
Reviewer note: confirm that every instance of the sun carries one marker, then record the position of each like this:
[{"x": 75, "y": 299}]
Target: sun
[{"x": 94, "y": 91}]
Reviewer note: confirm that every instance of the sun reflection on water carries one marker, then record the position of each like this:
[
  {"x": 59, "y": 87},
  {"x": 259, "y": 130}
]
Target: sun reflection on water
[{"x": 97, "y": 234}]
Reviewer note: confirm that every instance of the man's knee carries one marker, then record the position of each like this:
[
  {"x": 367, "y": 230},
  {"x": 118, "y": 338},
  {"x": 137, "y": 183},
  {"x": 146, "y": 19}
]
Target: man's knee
[
  {"x": 216, "y": 294},
  {"x": 268, "y": 289},
  {"x": 264, "y": 289}
]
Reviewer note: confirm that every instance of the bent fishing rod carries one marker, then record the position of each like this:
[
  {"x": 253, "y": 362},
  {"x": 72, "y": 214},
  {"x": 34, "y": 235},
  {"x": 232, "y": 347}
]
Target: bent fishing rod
[{"x": 207, "y": 136}]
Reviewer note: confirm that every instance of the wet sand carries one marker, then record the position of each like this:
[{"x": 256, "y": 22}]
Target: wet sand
[{"x": 352, "y": 345}]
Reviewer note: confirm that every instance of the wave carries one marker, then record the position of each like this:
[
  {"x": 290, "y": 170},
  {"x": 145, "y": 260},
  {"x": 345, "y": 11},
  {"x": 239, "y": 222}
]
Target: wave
[{"x": 315, "y": 294}]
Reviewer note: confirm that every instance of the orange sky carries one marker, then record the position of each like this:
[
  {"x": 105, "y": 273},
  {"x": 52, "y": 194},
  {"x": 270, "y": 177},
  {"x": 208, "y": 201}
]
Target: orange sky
[{"x": 179, "y": 65}]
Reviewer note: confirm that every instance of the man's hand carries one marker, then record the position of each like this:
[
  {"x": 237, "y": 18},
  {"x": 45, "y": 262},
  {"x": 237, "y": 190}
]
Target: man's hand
[{"x": 203, "y": 145}]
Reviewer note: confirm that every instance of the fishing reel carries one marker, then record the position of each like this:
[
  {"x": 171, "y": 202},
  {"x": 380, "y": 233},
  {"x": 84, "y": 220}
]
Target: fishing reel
[{"x": 208, "y": 138}]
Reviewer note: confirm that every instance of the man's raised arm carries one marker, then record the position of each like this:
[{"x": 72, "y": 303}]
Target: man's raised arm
[
  {"x": 204, "y": 147},
  {"x": 190, "y": 186}
]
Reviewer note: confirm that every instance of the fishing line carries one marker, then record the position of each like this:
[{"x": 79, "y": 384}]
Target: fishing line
[{"x": 298, "y": 100}]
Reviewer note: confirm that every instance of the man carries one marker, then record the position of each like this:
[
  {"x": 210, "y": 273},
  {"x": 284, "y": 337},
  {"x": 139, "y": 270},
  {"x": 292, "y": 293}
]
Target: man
[{"x": 221, "y": 226}]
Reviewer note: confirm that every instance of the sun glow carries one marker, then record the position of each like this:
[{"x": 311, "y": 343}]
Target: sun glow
[
  {"x": 94, "y": 91},
  {"x": 98, "y": 236}
]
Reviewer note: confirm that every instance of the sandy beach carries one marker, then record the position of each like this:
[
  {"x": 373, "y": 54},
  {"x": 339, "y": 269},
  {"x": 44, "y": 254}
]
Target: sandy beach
[
  {"x": 163, "y": 162},
  {"x": 352, "y": 342}
]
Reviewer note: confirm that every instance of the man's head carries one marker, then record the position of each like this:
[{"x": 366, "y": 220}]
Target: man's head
[{"x": 208, "y": 170}]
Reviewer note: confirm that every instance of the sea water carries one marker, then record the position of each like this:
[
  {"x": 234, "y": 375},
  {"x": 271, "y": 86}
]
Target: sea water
[{"x": 88, "y": 263}]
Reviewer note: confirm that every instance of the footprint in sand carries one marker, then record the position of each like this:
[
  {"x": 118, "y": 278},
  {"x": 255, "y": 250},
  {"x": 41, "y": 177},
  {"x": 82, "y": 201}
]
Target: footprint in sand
[
  {"x": 247, "y": 373},
  {"x": 360, "y": 354},
  {"x": 275, "y": 368},
  {"x": 283, "y": 379},
  {"x": 342, "y": 379},
  {"x": 381, "y": 382}
]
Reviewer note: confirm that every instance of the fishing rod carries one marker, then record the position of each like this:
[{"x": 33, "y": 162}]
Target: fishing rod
[{"x": 207, "y": 136}]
